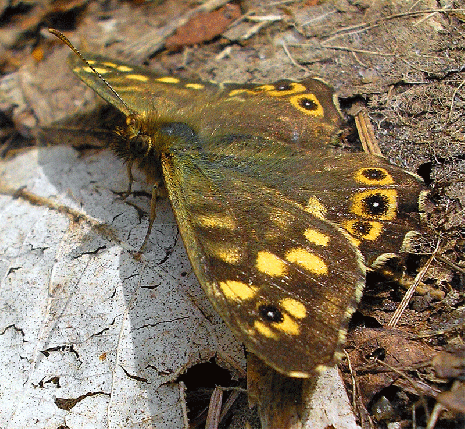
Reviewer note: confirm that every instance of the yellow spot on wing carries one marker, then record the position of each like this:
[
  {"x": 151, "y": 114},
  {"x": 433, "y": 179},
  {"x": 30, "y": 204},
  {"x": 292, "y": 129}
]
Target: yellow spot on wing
[
  {"x": 294, "y": 308},
  {"x": 127, "y": 88},
  {"x": 109, "y": 64},
  {"x": 139, "y": 77},
  {"x": 168, "y": 79},
  {"x": 195, "y": 85},
  {"x": 316, "y": 237},
  {"x": 240, "y": 91},
  {"x": 101, "y": 70},
  {"x": 237, "y": 291},
  {"x": 89, "y": 70},
  {"x": 262, "y": 88},
  {"x": 307, "y": 260},
  {"x": 264, "y": 329},
  {"x": 124, "y": 69},
  {"x": 288, "y": 326},
  {"x": 270, "y": 264},
  {"x": 230, "y": 254},
  {"x": 316, "y": 208},
  {"x": 216, "y": 221}
]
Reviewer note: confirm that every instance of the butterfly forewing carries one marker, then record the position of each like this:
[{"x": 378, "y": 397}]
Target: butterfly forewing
[{"x": 303, "y": 113}]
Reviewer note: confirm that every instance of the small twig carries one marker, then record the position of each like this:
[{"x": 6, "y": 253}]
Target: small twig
[
  {"x": 277, "y": 3},
  {"x": 292, "y": 59},
  {"x": 358, "y": 51},
  {"x": 450, "y": 264},
  {"x": 358, "y": 60},
  {"x": 230, "y": 402},
  {"x": 418, "y": 386},
  {"x": 317, "y": 18},
  {"x": 254, "y": 30},
  {"x": 268, "y": 18},
  {"x": 414, "y": 4},
  {"x": 452, "y": 100},
  {"x": 411, "y": 290},
  {"x": 424, "y": 18},
  {"x": 433, "y": 418},
  {"x": 214, "y": 409},
  {"x": 352, "y": 377},
  {"x": 354, "y": 29},
  {"x": 367, "y": 133},
  {"x": 182, "y": 397}
]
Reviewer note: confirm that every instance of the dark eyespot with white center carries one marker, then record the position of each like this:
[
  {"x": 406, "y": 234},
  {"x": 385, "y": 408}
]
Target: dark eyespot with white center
[
  {"x": 374, "y": 174},
  {"x": 308, "y": 104},
  {"x": 360, "y": 229},
  {"x": 270, "y": 313},
  {"x": 284, "y": 86},
  {"x": 376, "y": 204}
]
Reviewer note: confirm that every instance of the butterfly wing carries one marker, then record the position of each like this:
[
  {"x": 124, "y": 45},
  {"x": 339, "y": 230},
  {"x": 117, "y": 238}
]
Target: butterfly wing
[
  {"x": 285, "y": 281},
  {"x": 377, "y": 203},
  {"x": 305, "y": 113}
]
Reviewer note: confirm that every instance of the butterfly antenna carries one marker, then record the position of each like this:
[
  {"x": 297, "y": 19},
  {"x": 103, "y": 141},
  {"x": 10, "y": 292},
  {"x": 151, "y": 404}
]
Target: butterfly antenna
[{"x": 66, "y": 41}]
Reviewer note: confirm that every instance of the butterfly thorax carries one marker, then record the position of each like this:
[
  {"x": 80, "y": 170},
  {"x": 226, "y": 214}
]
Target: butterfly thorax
[{"x": 147, "y": 136}]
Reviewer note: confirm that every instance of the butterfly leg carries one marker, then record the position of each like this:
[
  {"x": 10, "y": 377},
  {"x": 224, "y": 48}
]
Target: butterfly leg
[
  {"x": 124, "y": 194},
  {"x": 158, "y": 190},
  {"x": 130, "y": 180}
]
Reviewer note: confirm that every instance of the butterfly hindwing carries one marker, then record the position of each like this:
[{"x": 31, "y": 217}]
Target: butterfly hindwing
[{"x": 376, "y": 202}]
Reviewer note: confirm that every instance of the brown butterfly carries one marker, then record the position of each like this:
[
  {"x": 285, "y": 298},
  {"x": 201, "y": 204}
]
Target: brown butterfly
[{"x": 277, "y": 224}]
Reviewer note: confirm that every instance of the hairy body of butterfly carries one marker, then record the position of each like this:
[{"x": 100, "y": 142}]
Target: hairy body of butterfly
[{"x": 277, "y": 225}]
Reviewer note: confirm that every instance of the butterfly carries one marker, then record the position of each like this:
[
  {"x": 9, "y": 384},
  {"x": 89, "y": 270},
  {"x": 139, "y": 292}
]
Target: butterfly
[{"x": 278, "y": 224}]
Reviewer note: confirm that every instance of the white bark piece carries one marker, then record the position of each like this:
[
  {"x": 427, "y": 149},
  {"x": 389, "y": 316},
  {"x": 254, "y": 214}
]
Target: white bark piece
[
  {"x": 329, "y": 404},
  {"x": 90, "y": 336}
]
